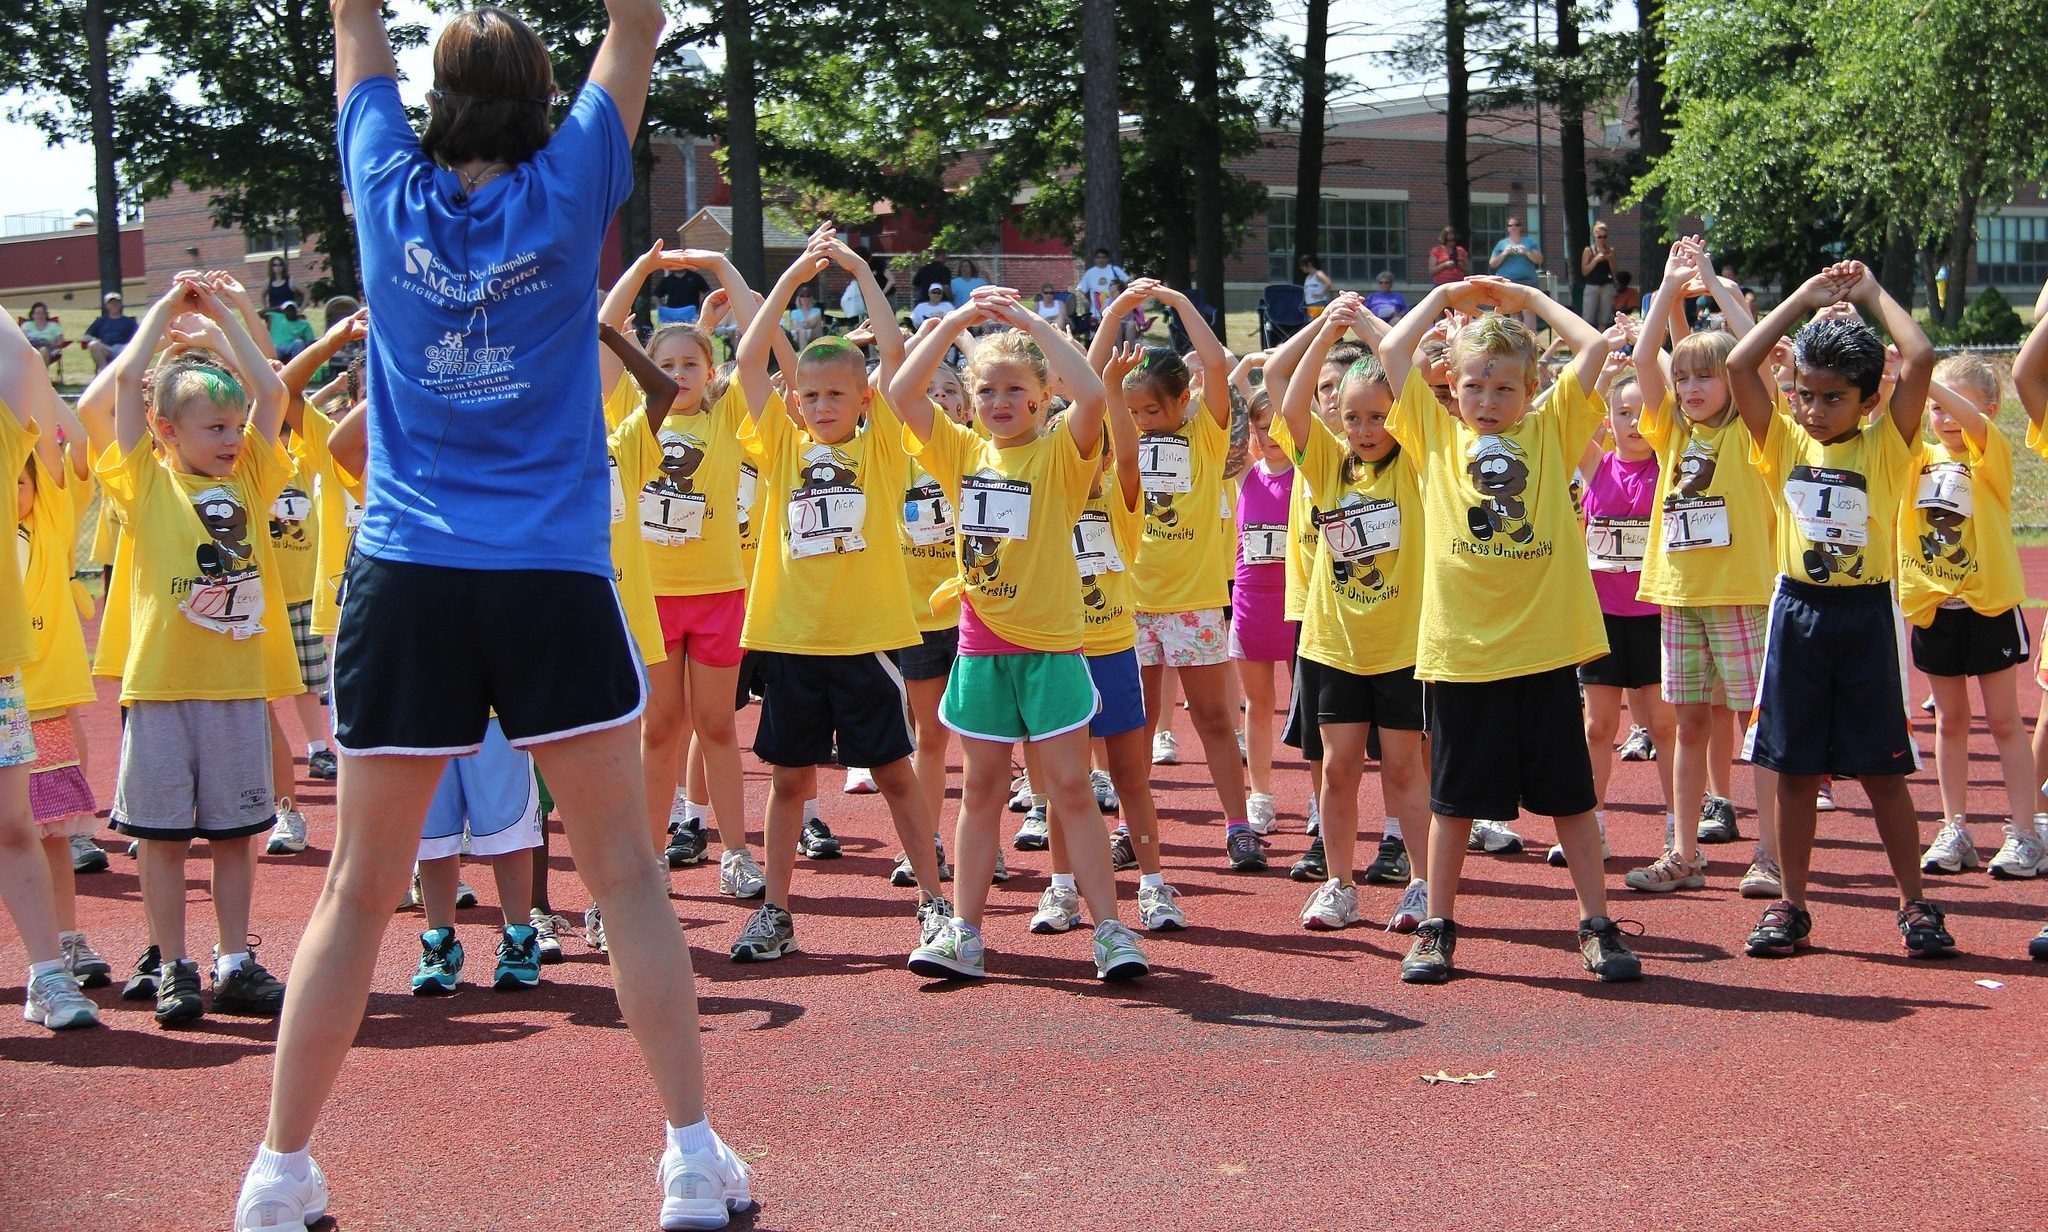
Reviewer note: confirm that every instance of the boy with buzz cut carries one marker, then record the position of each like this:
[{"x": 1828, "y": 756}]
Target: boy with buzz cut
[
  {"x": 209, "y": 644},
  {"x": 1508, "y": 607},
  {"x": 830, "y": 601},
  {"x": 1832, "y": 697}
]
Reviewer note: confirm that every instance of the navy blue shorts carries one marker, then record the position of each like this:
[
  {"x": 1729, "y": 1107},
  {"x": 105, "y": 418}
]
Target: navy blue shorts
[
  {"x": 1833, "y": 694},
  {"x": 1498, "y": 747},
  {"x": 1122, "y": 691}
]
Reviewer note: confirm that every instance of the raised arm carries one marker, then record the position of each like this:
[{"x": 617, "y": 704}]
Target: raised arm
[
  {"x": 750, "y": 359},
  {"x": 1657, "y": 314},
  {"x": 1589, "y": 345},
  {"x": 1297, "y": 402},
  {"x": 888, "y": 336},
  {"x": 1753, "y": 400},
  {"x": 1123, "y": 430},
  {"x": 1916, "y": 354},
  {"x": 349, "y": 443},
  {"x": 1397, "y": 347},
  {"x": 298, "y": 371},
  {"x": 265, "y": 388},
  {"x": 2030, "y": 367},
  {"x": 625, "y": 60},
  {"x": 1215, "y": 360},
  {"x": 131, "y": 417},
  {"x": 361, "y": 48},
  {"x": 1072, "y": 370},
  {"x": 236, "y": 296},
  {"x": 1134, "y": 294},
  {"x": 656, "y": 387},
  {"x": 25, "y": 381},
  {"x": 906, "y": 388},
  {"x": 1962, "y": 410}
]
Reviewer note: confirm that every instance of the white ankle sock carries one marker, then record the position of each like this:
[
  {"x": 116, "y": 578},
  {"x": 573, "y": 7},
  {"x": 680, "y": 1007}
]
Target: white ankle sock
[
  {"x": 694, "y": 812},
  {"x": 316, "y": 746},
  {"x": 1063, "y": 881},
  {"x": 1393, "y": 828},
  {"x": 1151, "y": 880},
  {"x": 227, "y": 964},
  {"x": 693, "y": 1139},
  {"x": 37, "y": 970},
  {"x": 811, "y": 809},
  {"x": 275, "y": 1165}
]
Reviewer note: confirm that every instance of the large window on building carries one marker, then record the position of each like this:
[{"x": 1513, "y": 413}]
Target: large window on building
[
  {"x": 1358, "y": 239},
  {"x": 1489, "y": 227},
  {"x": 271, "y": 239},
  {"x": 2012, "y": 250}
]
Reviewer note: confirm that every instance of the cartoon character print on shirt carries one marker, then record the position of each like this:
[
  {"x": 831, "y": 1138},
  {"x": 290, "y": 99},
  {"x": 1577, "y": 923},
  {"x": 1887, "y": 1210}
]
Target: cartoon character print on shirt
[
  {"x": 672, "y": 511},
  {"x": 1943, "y": 540},
  {"x": 1498, "y": 468},
  {"x": 227, "y": 596},
  {"x": 288, "y": 520},
  {"x": 1365, "y": 572},
  {"x": 827, "y": 510},
  {"x": 1695, "y": 477},
  {"x": 980, "y": 559},
  {"x": 1159, "y": 508}
]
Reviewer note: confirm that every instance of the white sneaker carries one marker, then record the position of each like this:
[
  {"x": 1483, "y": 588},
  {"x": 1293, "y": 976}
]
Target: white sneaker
[
  {"x": 859, "y": 782},
  {"x": 2022, "y": 856},
  {"x": 1824, "y": 799},
  {"x": 1059, "y": 910},
  {"x": 1413, "y": 908},
  {"x": 1494, "y": 839},
  {"x": 288, "y": 836},
  {"x": 702, "y": 1189},
  {"x": 739, "y": 876},
  {"x": 593, "y": 930},
  {"x": 1165, "y": 749},
  {"x": 1259, "y": 813},
  {"x": 1332, "y": 905},
  {"x": 1315, "y": 818},
  {"x": 1952, "y": 851},
  {"x": 281, "y": 1202},
  {"x": 1157, "y": 912},
  {"x": 54, "y": 1001},
  {"x": 464, "y": 895}
]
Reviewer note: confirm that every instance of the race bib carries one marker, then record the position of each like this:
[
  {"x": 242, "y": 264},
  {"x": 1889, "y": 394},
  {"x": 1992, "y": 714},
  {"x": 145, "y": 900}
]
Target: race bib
[
  {"x": 997, "y": 508},
  {"x": 670, "y": 518},
  {"x": 1945, "y": 485},
  {"x": 1095, "y": 545},
  {"x": 749, "y": 478},
  {"x": 618, "y": 493},
  {"x": 231, "y": 604},
  {"x": 1165, "y": 464},
  {"x": 826, "y": 520},
  {"x": 1829, "y": 506},
  {"x": 292, "y": 505},
  {"x": 1362, "y": 531},
  {"x": 1617, "y": 545},
  {"x": 1263, "y": 544},
  {"x": 351, "y": 511},
  {"x": 927, "y": 518},
  {"x": 1701, "y": 522}
]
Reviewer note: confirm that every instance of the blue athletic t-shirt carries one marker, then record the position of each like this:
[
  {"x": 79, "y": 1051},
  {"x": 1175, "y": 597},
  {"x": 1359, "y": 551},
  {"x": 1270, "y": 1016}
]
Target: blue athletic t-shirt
[{"x": 487, "y": 445}]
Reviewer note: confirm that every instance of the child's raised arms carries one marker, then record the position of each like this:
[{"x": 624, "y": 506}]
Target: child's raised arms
[
  {"x": 1123, "y": 430},
  {"x": 265, "y": 389},
  {"x": 657, "y": 388},
  {"x": 1588, "y": 343},
  {"x": 1071, "y": 370},
  {"x": 1283, "y": 361},
  {"x": 1296, "y": 404},
  {"x": 750, "y": 360},
  {"x": 131, "y": 416},
  {"x": 906, "y": 388},
  {"x": 2030, "y": 367},
  {"x": 1215, "y": 359},
  {"x": 1127, "y": 301},
  {"x": 298, "y": 371},
  {"x": 1971, "y": 420},
  {"x": 887, "y": 335},
  {"x": 1666, "y": 304},
  {"x": 1752, "y": 398},
  {"x": 1735, "y": 314},
  {"x": 25, "y": 382}
]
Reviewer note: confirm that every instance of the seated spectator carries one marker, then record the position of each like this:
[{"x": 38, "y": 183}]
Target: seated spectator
[
  {"x": 1052, "y": 309},
  {"x": 1134, "y": 323},
  {"x": 44, "y": 333},
  {"x": 290, "y": 332},
  {"x": 110, "y": 332},
  {"x": 1626, "y": 297},
  {"x": 935, "y": 305},
  {"x": 805, "y": 321},
  {"x": 1385, "y": 302}
]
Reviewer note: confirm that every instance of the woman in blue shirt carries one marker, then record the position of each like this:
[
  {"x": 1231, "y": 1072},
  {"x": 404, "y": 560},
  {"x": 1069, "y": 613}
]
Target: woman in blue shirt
[
  {"x": 1517, "y": 258},
  {"x": 481, "y": 579}
]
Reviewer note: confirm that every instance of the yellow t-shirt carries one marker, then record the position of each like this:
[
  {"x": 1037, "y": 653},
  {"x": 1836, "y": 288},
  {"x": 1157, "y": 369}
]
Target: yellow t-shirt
[
  {"x": 1838, "y": 508},
  {"x": 624, "y": 399},
  {"x": 749, "y": 505},
  {"x": 1363, "y": 603},
  {"x": 1955, "y": 534},
  {"x": 635, "y": 458},
  {"x": 1016, "y": 510},
  {"x": 338, "y": 498},
  {"x": 1105, "y": 543},
  {"x": 1714, "y": 542},
  {"x": 830, "y": 580},
  {"x": 106, "y": 533},
  {"x": 1301, "y": 550},
  {"x": 1505, "y": 587},
  {"x": 110, "y": 652},
  {"x": 56, "y": 676},
  {"x": 929, "y": 550},
  {"x": 295, "y": 527},
  {"x": 207, "y": 614},
  {"x": 1180, "y": 566},
  {"x": 17, "y": 645},
  {"x": 686, "y": 512}
]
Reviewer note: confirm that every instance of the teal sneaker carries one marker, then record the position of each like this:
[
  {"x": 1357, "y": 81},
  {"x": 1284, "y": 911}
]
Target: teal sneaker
[
  {"x": 440, "y": 963},
  {"x": 953, "y": 954},
  {"x": 1117, "y": 956},
  {"x": 518, "y": 958}
]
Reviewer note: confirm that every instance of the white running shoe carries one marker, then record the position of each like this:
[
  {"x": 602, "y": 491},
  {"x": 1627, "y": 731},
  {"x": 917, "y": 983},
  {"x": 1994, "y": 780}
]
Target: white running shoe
[
  {"x": 54, "y": 1001},
  {"x": 1951, "y": 851},
  {"x": 1165, "y": 749},
  {"x": 1824, "y": 799},
  {"x": 464, "y": 895},
  {"x": 288, "y": 836},
  {"x": 593, "y": 930},
  {"x": 739, "y": 876},
  {"x": 1332, "y": 905},
  {"x": 1157, "y": 912},
  {"x": 859, "y": 782},
  {"x": 702, "y": 1189},
  {"x": 1059, "y": 910},
  {"x": 1494, "y": 839},
  {"x": 1413, "y": 908},
  {"x": 2021, "y": 857},
  {"x": 1258, "y": 808},
  {"x": 282, "y": 1202}
]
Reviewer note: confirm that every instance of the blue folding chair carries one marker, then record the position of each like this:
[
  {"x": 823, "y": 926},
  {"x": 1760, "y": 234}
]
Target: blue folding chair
[{"x": 1282, "y": 314}]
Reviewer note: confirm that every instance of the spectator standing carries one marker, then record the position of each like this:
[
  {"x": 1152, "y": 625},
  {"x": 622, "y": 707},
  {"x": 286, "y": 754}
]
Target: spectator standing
[
  {"x": 278, "y": 290},
  {"x": 966, "y": 280},
  {"x": 1518, "y": 258},
  {"x": 1596, "y": 266},
  {"x": 110, "y": 333},
  {"x": 934, "y": 270},
  {"x": 1315, "y": 285},
  {"x": 1385, "y": 302},
  {"x": 1449, "y": 261},
  {"x": 1096, "y": 283}
]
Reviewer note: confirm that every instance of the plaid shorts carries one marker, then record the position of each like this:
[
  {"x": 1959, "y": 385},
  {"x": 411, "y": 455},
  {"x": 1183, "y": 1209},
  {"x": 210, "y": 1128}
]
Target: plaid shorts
[
  {"x": 1183, "y": 639},
  {"x": 1713, "y": 655},
  {"x": 312, "y": 650},
  {"x": 17, "y": 743}
]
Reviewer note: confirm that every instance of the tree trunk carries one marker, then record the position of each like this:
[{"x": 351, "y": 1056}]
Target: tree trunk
[
  {"x": 742, "y": 145},
  {"x": 100, "y": 104},
  {"x": 1571, "y": 151},
  {"x": 636, "y": 217},
  {"x": 1653, "y": 132},
  {"x": 1895, "y": 267},
  {"x": 1315, "y": 101},
  {"x": 1102, "y": 140},
  {"x": 1962, "y": 242},
  {"x": 1457, "y": 122},
  {"x": 1207, "y": 166}
]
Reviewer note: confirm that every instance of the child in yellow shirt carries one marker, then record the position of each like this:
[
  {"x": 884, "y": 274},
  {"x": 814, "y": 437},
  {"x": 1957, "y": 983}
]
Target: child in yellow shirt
[
  {"x": 208, "y": 644},
  {"x": 1508, "y": 607}
]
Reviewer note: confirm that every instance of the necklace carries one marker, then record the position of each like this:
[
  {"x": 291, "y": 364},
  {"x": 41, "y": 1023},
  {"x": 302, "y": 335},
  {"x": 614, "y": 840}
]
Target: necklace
[{"x": 470, "y": 183}]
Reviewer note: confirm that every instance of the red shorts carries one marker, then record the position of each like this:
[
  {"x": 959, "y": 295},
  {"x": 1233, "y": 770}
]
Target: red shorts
[{"x": 703, "y": 627}]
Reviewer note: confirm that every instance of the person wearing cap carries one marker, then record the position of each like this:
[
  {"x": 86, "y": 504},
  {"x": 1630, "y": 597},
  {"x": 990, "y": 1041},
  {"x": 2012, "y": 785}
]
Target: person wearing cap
[
  {"x": 935, "y": 305},
  {"x": 290, "y": 331},
  {"x": 110, "y": 332}
]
